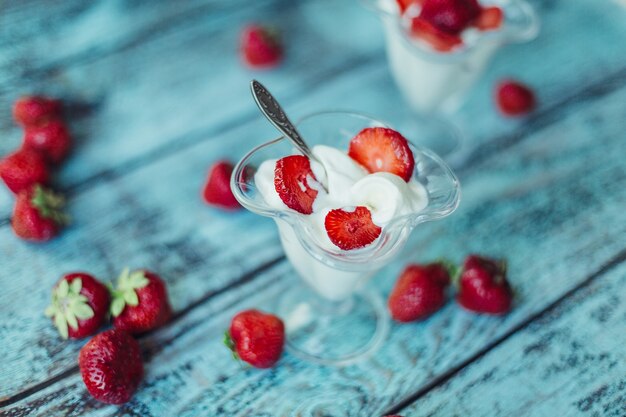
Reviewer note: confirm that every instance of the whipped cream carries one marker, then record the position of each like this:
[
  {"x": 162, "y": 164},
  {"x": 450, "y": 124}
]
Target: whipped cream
[{"x": 386, "y": 195}]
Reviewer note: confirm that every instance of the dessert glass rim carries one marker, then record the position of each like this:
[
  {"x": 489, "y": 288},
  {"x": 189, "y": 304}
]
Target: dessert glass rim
[
  {"x": 522, "y": 29},
  {"x": 393, "y": 233}
]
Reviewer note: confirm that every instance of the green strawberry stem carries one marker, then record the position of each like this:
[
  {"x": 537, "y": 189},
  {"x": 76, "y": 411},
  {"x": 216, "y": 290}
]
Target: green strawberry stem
[
  {"x": 126, "y": 292},
  {"x": 230, "y": 344},
  {"x": 454, "y": 271}
]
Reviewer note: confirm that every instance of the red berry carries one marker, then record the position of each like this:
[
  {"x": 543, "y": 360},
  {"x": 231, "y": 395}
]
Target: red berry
[
  {"x": 140, "y": 302},
  {"x": 450, "y": 16},
  {"x": 51, "y": 139},
  {"x": 436, "y": 38},
  {"x": 80, "y": 305},
  {"x": 490, "y": 18},
  {"x": 405, "y": 4},
  {"x": 483, "y": 286},
  {"x": 293, "y": 178},
  {"x": 514, "y": 98},
  {"x": 256, "y": 338},
  {"x": 351, "y": 229},
  {"x": 37, "y": 215},
  {"x": 260, "y": 47},
  {"x": 22, "y": 169},
  {"x": 34, "y": 110},
  {"x": 419, "y": 292},
  {"x": 217, "y": 190},
  {"x": 111, "y": 366},
  {"x": 380, "y": 149}
]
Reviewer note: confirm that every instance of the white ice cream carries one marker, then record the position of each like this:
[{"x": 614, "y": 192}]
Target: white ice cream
[
  {"x": 432, "y": 81},
  {"x": 386, "y": 195}
]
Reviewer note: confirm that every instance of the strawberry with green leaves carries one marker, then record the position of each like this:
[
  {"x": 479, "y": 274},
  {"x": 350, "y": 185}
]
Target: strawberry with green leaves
[
  {"x": 80, "y": 304},
  {"x": 139, "y": 302},
  {"x": 256, "y": 337},
  {"x": 38, "y": 214}
]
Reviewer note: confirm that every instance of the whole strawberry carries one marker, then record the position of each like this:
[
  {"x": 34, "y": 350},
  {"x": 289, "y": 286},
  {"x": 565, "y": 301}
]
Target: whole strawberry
[
  {"x": 514, "y": 98},
  {"x": 111, "y": 366},
  {"x": 139, "y": 302},
  {"x": 38, "y": 214},
  {"x": 51, "y": 139},
  {"x": 261, "y": 47},
  {"x": 419, "y": 292},
  {"x": 217, "y": 190},
  {"x": 80, "y": 304},
  {"x": 34, "y": 110},
  {"x": 22, "y": 169},
  {"x": 483, "y": 286},
  {"x": 257, "y": 338}
]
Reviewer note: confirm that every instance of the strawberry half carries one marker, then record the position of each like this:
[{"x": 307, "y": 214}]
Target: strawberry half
[
  {"x": 23, "y": 169},
  {"x": 80, "y": 304},
  {"x": 350, "y": 230},
  {"x": 483, "y": 287},
  {"x": 38, "y": 215},
  {"x": 490, "y": 18},
  {"x": 139, "y": 302},
  {"x": 256, "y": 337},
  {"x": 436, "y": 38},
  {"x": 380, "y": 149},
  {"x": 419, "y": 292},
  {"x": 514, "y": 98},
  {"x": 51, "y": 139},
  {"x": 34, "y": 110},
  {"x": 450, "y": 16},
  {"x": 261, "y": 47},
  {"x": 217, "y": 190},
  {"x": 111, "y": 366},
  {"x": 292, "y": 181}
]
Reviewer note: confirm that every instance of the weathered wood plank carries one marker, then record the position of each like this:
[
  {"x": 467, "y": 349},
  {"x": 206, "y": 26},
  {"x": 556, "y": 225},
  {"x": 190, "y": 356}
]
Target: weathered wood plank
[
  {"x": 128, "y": 97},
  {"x": 570, "y": 362},
  {"x": 522, "y": 203}
]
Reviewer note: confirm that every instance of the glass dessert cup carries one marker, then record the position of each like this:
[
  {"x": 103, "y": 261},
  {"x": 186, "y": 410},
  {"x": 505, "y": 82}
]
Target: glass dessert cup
[
  {"x": 332, "y": 319},
  {"x": 438, "y": 82}
]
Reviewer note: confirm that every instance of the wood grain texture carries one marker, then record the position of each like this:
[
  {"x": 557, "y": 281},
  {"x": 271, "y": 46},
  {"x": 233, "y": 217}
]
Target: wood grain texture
[
  {"x": 571, "y": 362},
  {"x": 520, "y": 203}
]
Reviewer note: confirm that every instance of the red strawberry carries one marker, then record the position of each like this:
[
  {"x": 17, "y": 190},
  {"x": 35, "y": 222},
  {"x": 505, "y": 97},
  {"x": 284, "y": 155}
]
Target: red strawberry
[
  {"x": 52, "y": 139},
  {"x": 33, "y": 110},
  {"x": 490, "y": 18},
  {"x": 256, "y": 338},
  {"x": 217, "y": 190},
  {"x": 22, "y": 169},
  {"x": 260, "y": 46},
  {"x": 514, "y": 98},
  {"x": 405, "y": 4},
  {"x": 483, "y": 287},
  {"x": 292, "y": 181},
  {"x": 450, "y": 16},
  {"x": 436, "y": 38},
  {"x": 351, "y": 229},
  {"x": 37, "y": 215},
  {"x": 380, "y": 149},
  {"x": 80, "y": 304},
  {"x": 140, "y": 302},
  {"x": 419, "y": 292},
  {"x": 111, "y": 366}
]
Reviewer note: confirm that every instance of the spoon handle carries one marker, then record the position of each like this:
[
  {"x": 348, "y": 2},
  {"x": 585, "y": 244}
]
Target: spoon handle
[{"x": 275, "y": 114}]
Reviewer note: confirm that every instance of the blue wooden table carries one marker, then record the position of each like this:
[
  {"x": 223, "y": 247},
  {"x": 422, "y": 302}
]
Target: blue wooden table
[{"x": 157, "y": 92}]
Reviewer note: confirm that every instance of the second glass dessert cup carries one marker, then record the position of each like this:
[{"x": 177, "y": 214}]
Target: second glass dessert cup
[{"x": 333, "y": 319}]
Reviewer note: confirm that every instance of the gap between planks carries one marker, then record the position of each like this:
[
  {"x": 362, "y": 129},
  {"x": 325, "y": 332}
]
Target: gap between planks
[{"x": 451, "y": 373}]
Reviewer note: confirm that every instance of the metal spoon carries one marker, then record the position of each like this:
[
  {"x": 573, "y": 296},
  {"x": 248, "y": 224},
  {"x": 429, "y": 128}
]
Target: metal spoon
[{"x": 275, "y": 114}]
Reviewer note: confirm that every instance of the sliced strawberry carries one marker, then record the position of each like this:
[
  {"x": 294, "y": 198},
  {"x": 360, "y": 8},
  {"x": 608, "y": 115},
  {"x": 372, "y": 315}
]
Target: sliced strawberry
[
  {"x": 450, "y": 16},
  {"x": 436, "y": 38},
  {"x": 490, "y": 18},
  {"x": 405, "y": 4},
  {"x": 292, "y": 177},
  {"x": 380, "y": 149},
  {"x": 351, "y": 229}
]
